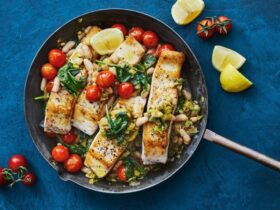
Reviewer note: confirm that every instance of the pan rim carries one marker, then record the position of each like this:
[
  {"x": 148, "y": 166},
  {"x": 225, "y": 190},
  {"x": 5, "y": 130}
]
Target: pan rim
[{"x": 92, "y": 187}]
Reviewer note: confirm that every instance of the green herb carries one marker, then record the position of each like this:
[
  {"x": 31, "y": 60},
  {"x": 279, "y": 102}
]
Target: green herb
[
  {"x": 117, "y": 127},
  {"x": 149, "y": 60},
  {"x": 181, "y": 102},
  {"x": 130, "y": 165},
  {"x": 142, "y": 80},
  {"x": 77, "y": 148},
  {"x": 67, "y": 74},
  {"x": 42, "y": 97},
  {"x": 123, "y": 74}
]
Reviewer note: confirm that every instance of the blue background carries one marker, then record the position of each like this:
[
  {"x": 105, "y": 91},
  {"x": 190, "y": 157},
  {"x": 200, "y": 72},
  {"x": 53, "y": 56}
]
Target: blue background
[{"x": 214, "y": 178}]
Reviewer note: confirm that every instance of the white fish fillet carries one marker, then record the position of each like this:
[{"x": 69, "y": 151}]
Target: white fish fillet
[
  {"x": 155, "y": 144},
  {"x": 59, "y": 112},
  {"x": 130, "y": 51},
  {"x": 103, "y": 153}
]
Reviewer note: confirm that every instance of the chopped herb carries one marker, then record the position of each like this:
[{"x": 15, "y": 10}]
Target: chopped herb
[
  {"x": 131, "y": 165},
  {"x": 43, "y": 97},
  {"x": 76, "y": 148},
  {"x": 181, "y": 102},
  {"x": 67, "y": 74},
  {"x": 117, "y": 127},
  {"x": 123, "y": 74},
  {"x": 149, "y": 60}
]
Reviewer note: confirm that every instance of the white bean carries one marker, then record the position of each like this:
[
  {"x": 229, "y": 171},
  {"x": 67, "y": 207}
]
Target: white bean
[
  {"x": 43, "y": 84},
  {"x": 115, "y": 58},
  {"x": 88, "y": 64},
  {"x": 137, "y": 155},
  {"x": 151, "y": 51},
  {"x": 81, "y": 35},
  {"x": 194, "y": 119},
  {"x": 86, "y": 53},
  {"x": 70, "y": 52},
  {"x": 187, "y": 95},
  {"x": 68, "y": 46},
  {"x": 88, "y": 29},
  {"x": 150, "y": 70},
  {"x": 141, "y": 121},
  {"x": 56, "y": 85},
  {"x": 181, "y": 118},
  {"x": 85, "y": 170},
  {"x": 185, "y": 136}
]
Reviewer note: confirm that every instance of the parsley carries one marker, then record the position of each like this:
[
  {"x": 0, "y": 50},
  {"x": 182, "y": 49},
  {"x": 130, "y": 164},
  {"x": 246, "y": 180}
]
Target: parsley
[{"x": 149, "y": 60}]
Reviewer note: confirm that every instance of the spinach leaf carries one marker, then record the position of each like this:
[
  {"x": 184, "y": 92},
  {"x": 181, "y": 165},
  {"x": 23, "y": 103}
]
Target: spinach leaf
[
  {"x": 78, "y": 149},
  {"x": 149, "y": 60},
  {"x": 117, "y": 127},
  {"x": 123, "y": 74},
  {"x": 180, "y": 105},
  {"x": 67, "y": 74},
  {"x": 130, "y": 165},
  {"x": 141, "y": 79}
]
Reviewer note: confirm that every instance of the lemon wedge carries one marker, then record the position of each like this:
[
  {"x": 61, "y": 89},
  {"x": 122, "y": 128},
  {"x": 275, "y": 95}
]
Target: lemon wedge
[
  {"x": 107, "y": 41},
  {"x": 185, "y": 11},
  {"x": 222, "y": 56},
  {"x": 232, "y": 80}
]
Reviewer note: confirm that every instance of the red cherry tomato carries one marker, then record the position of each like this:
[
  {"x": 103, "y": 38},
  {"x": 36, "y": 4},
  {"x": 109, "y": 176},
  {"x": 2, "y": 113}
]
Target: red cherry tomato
[
  {"x": 164, "y": 47},
  {"x": 105, "y": 79},
  {"x": 69, "y": 138},
  {"x": 60, "y": 153},
  {"x": 93, "y": 93},
  {"x": 57, "y": 58},
  {"x": 121, "y": 27},
  {"x": 137, "y": 33},
  {"x": 51, "y": 134},
  {"x": 223, "y": 25},
  {"x": 49, "y": 86},
  {"x": 150, "y": 39},
  {"x": 205, "y": 28},
  {"x": 16, "y": 161},
  {"x": 29, "y": 179},
  {"x": 125, "y": 89},
  {"x": 48, "y": 71},
  {"x": 121, "y": 173},
  {"x": 2, "y": 178},
  {"x": 73, "y": 163}
]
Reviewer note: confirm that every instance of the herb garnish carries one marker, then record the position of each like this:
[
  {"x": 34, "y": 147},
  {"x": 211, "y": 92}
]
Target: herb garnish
[
  {"x": 131, "y": 165},
  {"x": 67, "y": 74},
  {"x": 117, "y": 127},
  {"x": 149, "y": 60},
  {"x": 76, "y": 148}
]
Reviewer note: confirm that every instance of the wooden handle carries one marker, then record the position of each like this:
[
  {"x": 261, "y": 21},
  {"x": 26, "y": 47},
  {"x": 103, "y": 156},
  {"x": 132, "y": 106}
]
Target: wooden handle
[{"x": 254, "y": 155}]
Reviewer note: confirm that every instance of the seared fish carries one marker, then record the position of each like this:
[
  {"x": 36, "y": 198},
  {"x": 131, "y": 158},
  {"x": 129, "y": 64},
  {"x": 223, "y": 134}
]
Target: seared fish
[
  {"x": 103, "y": 153},
  {"x": 168, "y": 69},
  {"x": 59, "y": 112}
]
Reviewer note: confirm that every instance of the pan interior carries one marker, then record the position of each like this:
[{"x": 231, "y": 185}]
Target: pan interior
[{"x": 105, "y": 18}]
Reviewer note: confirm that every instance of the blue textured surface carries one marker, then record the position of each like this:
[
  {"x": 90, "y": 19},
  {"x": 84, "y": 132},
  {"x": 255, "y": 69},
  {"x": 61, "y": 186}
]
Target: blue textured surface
[{"x": 214, "y": 178}]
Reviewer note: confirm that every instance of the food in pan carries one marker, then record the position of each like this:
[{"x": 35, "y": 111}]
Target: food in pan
[{"x": 113, "y": 99}]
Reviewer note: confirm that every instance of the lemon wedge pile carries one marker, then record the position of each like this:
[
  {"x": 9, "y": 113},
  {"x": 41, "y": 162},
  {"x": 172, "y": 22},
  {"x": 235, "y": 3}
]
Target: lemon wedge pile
[
  {"x": 185, "y": 11},
  {"x": 107, "y": 41},
  {"x": 228, "y": 62}
]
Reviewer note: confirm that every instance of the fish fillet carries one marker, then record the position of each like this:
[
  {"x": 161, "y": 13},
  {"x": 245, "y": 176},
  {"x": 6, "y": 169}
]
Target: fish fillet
[
  {"x": 103, "y": 153},
  {"x": 59, "y": 112},
  {"x": 168, "y": 69}
]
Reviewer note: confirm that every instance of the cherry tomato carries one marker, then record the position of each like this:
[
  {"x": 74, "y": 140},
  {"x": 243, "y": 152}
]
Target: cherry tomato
[
  {"x": 73, "y": 163},
  {"x": 69, "y": 138},
  {"x": 16, "y": 161},
  {"x": 137, "y": 33},
  {"x": 60, "y": 153},
  {"x": 164, "y": 47},
  {"x": 121, "y": 27},
  {"x": 125, "y": 89},
  {"x": 57, "y": 58},
  {"x": 2, "y": 178},
  {"x": 105, "y": 79},
  {"x": 223, "y": 25},
  {"x": 48, "y": 71},
  {"x": 150, "y": 39},
  {"x": 205, "y": 28},
  {"x": 49, "y": 86},
  {"x": 51, "y": 134},
  {"x": 29, "y": 179},
  {"x": 93, "y": 93},
  {"x": 121, "y": 173}
]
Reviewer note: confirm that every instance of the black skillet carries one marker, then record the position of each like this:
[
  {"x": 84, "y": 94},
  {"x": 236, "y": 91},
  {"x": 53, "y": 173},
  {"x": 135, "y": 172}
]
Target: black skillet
[{"x": 191, "y": 71}]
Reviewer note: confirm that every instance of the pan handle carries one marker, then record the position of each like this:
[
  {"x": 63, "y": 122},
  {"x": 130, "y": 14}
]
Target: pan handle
[{"x": 254, "y": 155}]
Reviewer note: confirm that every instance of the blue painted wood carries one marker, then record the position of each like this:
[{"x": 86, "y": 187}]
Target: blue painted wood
[{"x": 214, "y": 178}]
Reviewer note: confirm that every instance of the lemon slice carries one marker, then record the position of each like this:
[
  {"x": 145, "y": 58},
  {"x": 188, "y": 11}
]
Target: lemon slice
[
  {"x": 185, "y": 11},
  {"x": 222, "y": 56},
  {"x": 107, "y": 41},
  {"x": 232, "y": 80}
]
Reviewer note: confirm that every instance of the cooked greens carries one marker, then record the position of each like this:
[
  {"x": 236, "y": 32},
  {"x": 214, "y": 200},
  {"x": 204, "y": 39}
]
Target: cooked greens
[
  {"x": 67, "y": 75},
  {"x": 149, "y": 60}
]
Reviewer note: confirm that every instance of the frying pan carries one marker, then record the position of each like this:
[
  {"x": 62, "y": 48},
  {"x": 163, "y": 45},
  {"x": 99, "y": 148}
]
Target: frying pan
[{"x": 191, "y": 72}]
